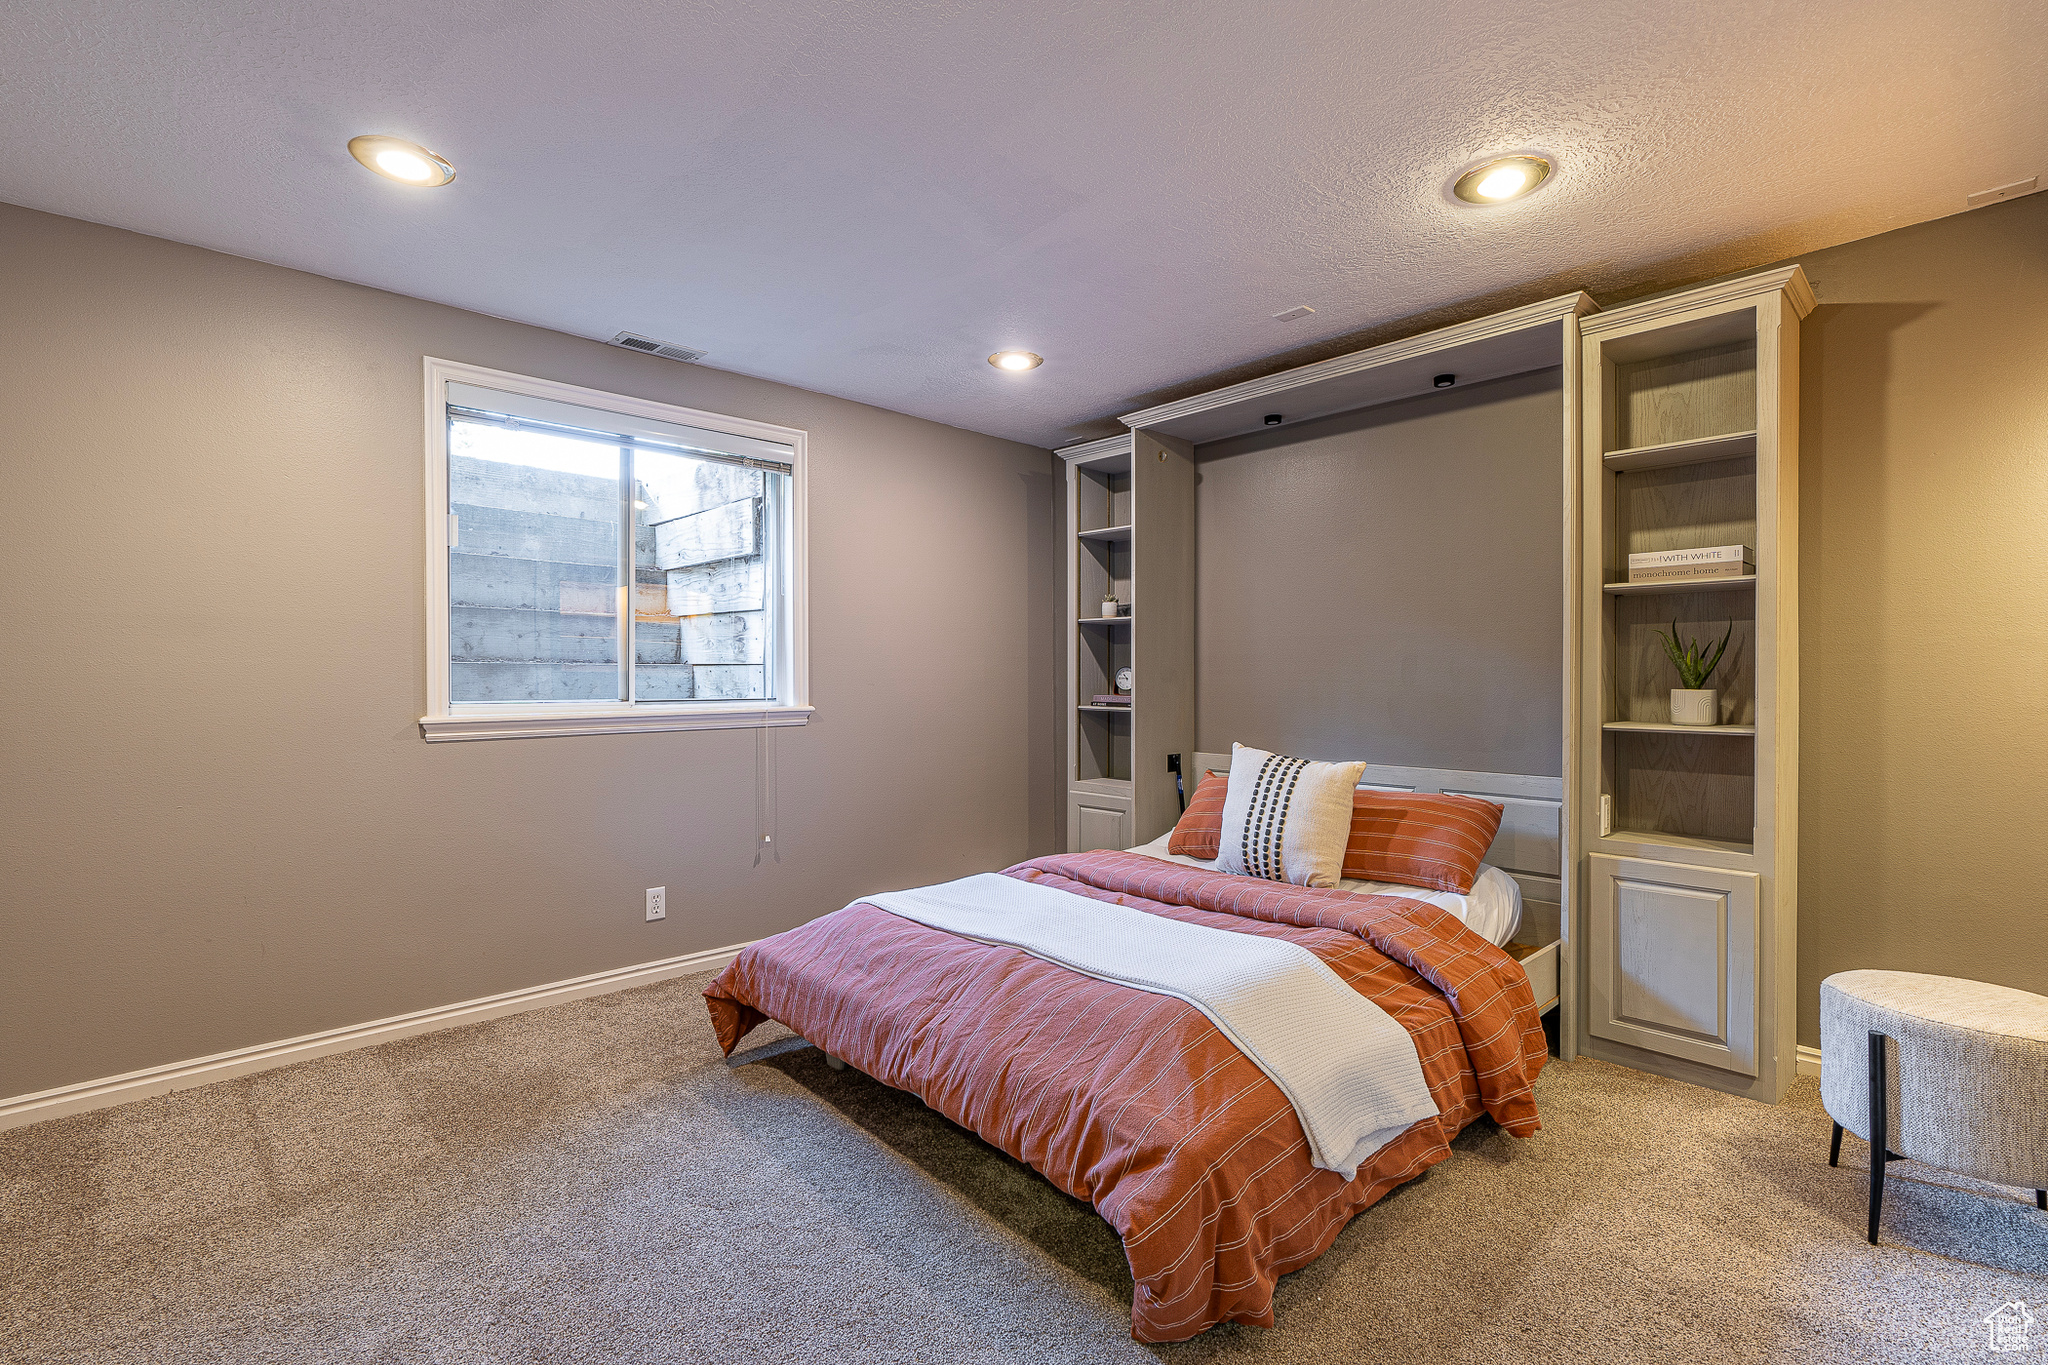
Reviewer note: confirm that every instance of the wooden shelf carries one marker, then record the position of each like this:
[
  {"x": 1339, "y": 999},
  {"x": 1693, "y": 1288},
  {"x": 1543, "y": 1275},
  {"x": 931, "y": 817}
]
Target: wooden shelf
[
  {"x": 1106, "y": 710},
  {"x": 1659, "y": 727},
  {"x": 1108, "y": 620},
  {"x": 1722, "y": 584},
  {"x": 1101, "y": 786},
  {"x": 1686, "y": 842},
  {"x": 1696, "y": 451},
  {"x": 1106, "y": 534}
]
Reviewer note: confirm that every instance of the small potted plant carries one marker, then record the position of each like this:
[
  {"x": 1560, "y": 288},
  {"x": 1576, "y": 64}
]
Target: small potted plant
[
  {"x": 1109, "y": 604},
  {"x": 1695, "y": 703}
]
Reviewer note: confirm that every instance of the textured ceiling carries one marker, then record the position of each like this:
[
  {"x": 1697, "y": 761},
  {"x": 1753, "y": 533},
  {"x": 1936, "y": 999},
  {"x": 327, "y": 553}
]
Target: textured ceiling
[{"x": 866, "y": 198}]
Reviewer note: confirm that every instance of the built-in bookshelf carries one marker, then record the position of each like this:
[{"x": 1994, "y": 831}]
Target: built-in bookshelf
[
  {"x": 1130, "y": 533},
  {"x": 1690, "y": 441}
]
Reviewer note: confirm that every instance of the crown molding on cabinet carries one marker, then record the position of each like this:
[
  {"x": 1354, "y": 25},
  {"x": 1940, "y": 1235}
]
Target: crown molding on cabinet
[
  {"x": 1095, "y": 450},
  {"x": 1491, "y": 347},
  {"x": 1792, "y": 279}
]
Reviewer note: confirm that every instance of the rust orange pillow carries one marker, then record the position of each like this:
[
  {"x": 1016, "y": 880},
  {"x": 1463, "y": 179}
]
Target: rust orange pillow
[
  {"x": 1199, "y": 832},
  {"x": 1427, "y": 839},
  {"x": 1424, "y": 839}
]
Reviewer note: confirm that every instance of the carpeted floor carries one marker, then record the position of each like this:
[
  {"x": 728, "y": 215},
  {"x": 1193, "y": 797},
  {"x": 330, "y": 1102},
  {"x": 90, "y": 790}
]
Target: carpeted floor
[{"x": 591, "y": 1183}]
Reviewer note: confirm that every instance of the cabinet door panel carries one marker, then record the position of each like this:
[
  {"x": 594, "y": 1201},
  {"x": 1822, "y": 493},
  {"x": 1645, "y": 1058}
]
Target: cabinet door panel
[
  {"x": 1674, "y": 959},
  {"x": 1101, "y": 827}
]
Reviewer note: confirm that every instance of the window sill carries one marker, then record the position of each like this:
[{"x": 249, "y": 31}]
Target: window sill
[{"x": 515, "y": 722}]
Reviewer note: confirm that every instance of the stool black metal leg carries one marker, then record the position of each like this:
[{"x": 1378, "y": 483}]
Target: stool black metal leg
[
  {"x": 1835, "y": 1147},
  {"x": 1880, "y": 1148}
]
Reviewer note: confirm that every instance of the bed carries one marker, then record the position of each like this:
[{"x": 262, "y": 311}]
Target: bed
[
  {"x": 1526, "y": 852},
  {"x": 1139, "y": 1102}
]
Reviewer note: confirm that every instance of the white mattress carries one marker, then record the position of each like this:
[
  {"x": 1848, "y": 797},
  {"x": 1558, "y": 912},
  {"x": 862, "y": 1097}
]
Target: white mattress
[{"x": 1493, "y": 910}]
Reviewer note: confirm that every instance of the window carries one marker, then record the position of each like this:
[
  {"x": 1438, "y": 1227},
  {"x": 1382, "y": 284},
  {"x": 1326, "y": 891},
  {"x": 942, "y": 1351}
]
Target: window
[{"x": 601, "y": 563}]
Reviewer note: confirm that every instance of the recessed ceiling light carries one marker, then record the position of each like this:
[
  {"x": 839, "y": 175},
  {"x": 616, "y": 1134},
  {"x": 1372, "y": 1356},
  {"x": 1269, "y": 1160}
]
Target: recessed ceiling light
[
  {"x": 1016, "y": 360},
  {"x": 396, "y": 159},
  {"x": 1505, "y": 178}
]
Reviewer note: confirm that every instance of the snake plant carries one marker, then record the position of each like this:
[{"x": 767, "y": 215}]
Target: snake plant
[{"x": 1694, "y": 666}]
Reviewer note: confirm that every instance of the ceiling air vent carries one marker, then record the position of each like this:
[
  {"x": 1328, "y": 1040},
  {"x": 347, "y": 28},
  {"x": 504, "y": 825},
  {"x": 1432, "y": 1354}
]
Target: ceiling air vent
[{"x": 650, "y": 346}]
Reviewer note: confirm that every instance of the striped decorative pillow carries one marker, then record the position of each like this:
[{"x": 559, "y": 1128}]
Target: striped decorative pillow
[
  {"x": 1429, "y": 840},
  {"x": 1426, "y": 839},
  {"x": 1200, "y": 828},
  {"x": 1286, "y": 819}
]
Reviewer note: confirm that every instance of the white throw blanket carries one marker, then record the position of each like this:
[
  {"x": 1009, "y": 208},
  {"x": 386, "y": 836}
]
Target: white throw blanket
[{"x": 1348, "y": 1069}]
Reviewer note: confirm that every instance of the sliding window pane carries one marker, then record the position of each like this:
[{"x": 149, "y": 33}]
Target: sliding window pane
[
  {"x": 533, "y": 577},
  {"x": 706, "y": 561}
]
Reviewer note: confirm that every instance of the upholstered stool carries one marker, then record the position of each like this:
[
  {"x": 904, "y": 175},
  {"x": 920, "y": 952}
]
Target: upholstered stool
[{"x": 1950, "y": 1073}]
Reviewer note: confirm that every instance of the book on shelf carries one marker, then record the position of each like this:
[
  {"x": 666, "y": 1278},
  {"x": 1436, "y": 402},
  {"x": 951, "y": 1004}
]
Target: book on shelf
[
  {"x": 1111, "y": 699},
  {"x": 1714, "y": 561}
]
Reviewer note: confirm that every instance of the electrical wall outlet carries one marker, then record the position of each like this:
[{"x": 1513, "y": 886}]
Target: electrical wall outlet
[{"x": 657, "y": 902}]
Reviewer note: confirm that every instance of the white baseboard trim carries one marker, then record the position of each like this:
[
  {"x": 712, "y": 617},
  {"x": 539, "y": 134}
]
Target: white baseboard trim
[
  {"x": 221, "y": 1066},
  {"x": 1809, "y": 1060}
]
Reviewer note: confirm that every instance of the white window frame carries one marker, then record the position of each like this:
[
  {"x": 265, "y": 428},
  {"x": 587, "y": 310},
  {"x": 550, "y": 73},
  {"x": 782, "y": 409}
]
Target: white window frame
[{"x": 447, "y": 720}]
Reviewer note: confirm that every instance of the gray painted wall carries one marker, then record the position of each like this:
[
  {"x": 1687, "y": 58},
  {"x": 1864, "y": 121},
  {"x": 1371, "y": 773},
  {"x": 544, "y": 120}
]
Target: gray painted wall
[
  {"x": 1923, "y": 498},
  {"x": 1388, "y": 585},
  {"x": 219, "y": 825}
]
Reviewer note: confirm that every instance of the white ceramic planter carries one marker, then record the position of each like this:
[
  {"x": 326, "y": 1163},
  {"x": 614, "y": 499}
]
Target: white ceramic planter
[
  {"x": 1689, "y": 707},
  {"x": 1109, "y": 606}
]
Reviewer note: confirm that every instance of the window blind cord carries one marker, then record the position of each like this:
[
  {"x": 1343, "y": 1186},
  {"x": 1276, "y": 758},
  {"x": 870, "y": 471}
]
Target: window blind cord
[{"x": 764, "y": 797}]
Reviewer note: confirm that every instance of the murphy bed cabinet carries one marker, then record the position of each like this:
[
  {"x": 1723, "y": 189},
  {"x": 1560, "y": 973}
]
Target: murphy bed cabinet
[
  {"x": 1690, "y": 834},
  {"x": 1674, "y": 858},
  {"x": 1130, "y": 528}
]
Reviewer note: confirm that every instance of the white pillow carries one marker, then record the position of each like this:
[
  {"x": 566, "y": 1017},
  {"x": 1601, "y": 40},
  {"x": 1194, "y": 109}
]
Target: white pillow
[{"x": 1286, "y": 819}]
